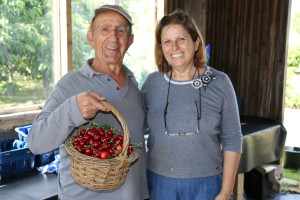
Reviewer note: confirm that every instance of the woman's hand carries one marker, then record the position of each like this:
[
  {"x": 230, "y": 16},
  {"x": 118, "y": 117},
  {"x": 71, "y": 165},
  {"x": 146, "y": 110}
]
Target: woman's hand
[{"x": 222, "y": 196}]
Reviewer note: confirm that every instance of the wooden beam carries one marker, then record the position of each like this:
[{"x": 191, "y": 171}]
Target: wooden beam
[
  {"x": 238, "y": 189},
  {"x": 69, "y": 33}
]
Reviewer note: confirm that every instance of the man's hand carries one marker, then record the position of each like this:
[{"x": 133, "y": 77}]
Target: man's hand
[{"x": 89, "y": 103}]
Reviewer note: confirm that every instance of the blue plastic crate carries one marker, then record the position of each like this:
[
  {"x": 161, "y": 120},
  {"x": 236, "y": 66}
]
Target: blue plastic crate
[
  {"x": 6, "y": 145},
  {"x": 15, "y": 162},
  {"x": 23, "y": 132},
  {"x": 41, "y": 159},
  {"x": 46, "y": 158}
]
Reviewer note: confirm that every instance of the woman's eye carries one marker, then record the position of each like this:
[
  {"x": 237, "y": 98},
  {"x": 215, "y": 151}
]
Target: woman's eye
[{"x": 166, "y": 42}]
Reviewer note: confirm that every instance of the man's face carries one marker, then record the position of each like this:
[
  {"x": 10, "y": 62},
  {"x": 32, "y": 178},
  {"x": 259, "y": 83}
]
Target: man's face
[{"x": 110, "y": 37}]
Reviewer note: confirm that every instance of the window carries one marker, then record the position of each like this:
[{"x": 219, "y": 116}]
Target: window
[{"x": 26, "y": 46}]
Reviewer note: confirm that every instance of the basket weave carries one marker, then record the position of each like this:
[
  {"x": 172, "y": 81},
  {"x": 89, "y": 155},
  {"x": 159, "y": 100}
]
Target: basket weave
[{"x": 97, "y": 173}]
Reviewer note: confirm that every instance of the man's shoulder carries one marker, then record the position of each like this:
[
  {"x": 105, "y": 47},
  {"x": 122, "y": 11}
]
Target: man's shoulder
[{"x": 70, "y": 77}]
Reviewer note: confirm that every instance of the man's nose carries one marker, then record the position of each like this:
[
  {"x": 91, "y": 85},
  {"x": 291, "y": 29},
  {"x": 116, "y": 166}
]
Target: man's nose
[{"x": 114, "y": 33}]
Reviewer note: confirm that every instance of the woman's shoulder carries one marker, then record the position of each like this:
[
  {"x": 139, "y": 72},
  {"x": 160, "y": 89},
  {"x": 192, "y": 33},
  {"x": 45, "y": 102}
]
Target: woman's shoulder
[
  {"x": 221, "y": 80},
  {"x": 215, "y": 72},
  {"x": 155, "y": 74},
  {"x": 153, "y": 79}
]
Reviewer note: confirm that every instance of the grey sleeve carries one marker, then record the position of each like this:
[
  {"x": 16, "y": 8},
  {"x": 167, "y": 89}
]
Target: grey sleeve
[
  {"x": 231, "y": 136},
  {"x": 55, "y": 123},
  {"x": 143, "y": 96}
]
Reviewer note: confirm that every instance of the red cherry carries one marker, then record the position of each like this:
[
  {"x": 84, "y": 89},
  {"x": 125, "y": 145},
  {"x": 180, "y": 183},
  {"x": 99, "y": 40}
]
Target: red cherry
[
  {"x": 80, "y": 149},
  {"x": 97, "y": 153},
  {"x": 101, "y": 132},
  {"x": 100, "y": 129},
  {"x": 96, "y": 144},
  {"x": 88, "y": 151},
  {"x": 106, "y": 146},
  {"x": 104, "y": 154},
  {"x": 82, "y": 132},
  {"x": 120, "y": 137},
  {"x": 94, "y": 130},
  {"x": 89, "y": 131},
  {"x": 97, "y": 136},
  {"x": 110, "y": 133},
  {"x": 104, "y": 139},
  {"x": 129, "y": 151},
  {"x": 87, "y": 137},
  {"x": 76, "y": 142},
  {"x": 111, "y": 151},
  {"x": 82, "y": 142}
]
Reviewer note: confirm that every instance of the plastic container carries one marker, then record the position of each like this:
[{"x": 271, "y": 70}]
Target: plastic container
[
  {"x": 46, "y": 158},
  {"x": 40, "y": 159},
  {"x": 15, "y": 161},
  {"x": 291, "y": 157},
  {"x": 23, "y": 132},
  {"x": 6, "y": 145}
]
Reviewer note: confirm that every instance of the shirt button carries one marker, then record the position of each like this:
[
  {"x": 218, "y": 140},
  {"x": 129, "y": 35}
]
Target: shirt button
[
  {"x": 108, "y": 79},
  {"x": 118, "y": 88}
]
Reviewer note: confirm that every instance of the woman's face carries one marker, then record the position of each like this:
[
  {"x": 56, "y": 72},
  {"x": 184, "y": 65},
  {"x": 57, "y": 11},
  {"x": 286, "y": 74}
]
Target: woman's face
[{"x": 178, "y": 47}]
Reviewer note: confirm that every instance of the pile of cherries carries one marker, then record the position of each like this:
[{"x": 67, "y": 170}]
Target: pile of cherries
[{"x": 103, "y": 142}]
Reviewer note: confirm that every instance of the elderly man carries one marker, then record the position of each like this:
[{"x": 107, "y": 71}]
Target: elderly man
[{"x": 77, "y": 97}]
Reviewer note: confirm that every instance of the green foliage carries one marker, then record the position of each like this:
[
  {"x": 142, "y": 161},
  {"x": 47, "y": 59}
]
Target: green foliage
[
  {"x": 26, "y": 38},
  {"x": 26, "y": 96},
  {"x": 295, "y": 25},
  {"x": 292, "y": 174},
  {"x": 11, "y": 88},
  {"x": 292, "y": 93},
  {"x": 293, "y": 56}
]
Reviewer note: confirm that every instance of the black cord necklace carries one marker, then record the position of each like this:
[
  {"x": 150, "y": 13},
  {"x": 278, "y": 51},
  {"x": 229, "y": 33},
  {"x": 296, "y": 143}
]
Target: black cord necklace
[{"x": 198, "y": 107}]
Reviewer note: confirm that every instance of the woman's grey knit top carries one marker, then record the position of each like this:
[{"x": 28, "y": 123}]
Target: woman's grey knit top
[{"x": 196, "y": 155}]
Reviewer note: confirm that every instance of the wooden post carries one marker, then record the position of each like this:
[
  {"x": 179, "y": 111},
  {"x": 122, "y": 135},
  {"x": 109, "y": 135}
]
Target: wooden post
[{"x": 238, "y": 189}]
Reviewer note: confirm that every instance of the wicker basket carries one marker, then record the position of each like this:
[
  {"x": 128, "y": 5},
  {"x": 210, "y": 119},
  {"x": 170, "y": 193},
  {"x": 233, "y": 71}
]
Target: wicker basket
[{"x": 97, "y": 173}]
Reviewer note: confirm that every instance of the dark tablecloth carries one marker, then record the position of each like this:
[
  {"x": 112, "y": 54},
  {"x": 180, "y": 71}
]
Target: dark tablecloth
[{"x": 263, "y": 142}]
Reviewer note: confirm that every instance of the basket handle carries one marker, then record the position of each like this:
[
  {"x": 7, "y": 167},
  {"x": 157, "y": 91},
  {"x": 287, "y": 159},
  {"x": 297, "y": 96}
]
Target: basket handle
[{"x": 123, "y": 124}]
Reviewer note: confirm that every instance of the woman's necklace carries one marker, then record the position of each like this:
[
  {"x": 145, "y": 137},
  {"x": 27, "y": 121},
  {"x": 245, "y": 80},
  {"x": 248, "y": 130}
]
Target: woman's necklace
[{"x": 197, "y": 107}]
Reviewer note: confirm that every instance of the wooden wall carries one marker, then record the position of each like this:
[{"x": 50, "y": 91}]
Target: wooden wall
[
  {"x": 249, "y": 43},
  {"x": 196, "y": 8}
]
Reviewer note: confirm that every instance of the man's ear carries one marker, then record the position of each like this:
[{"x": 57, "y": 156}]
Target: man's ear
[
  {"x": 131, "y": 39},
  {"x": 89, "y": 37}
]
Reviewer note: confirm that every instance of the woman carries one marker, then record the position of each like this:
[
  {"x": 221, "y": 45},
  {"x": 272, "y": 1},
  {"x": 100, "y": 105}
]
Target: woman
[{"x": 194, "y": 142}]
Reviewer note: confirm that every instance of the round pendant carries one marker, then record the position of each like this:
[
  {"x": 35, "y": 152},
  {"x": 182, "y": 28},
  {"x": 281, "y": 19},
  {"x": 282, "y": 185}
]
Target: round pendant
[{"x": 197, "y": 83}]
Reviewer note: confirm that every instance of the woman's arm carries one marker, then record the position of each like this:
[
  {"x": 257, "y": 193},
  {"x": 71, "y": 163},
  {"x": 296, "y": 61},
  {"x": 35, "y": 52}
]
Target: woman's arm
[{"x": 231, "y": 163}]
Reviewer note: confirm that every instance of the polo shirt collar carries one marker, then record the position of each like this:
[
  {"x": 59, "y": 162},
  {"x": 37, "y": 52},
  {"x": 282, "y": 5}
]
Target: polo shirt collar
[{"x": 89, "y": 72}]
